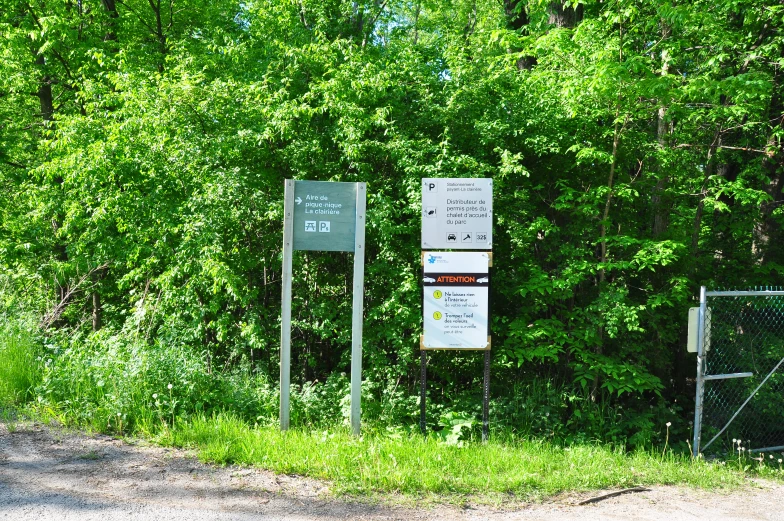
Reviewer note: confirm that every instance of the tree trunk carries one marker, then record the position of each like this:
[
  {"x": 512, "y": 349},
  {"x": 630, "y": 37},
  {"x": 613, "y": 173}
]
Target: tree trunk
[
  {"x": 767, "y": 242},
  {"x": 563, "y": 16},
  {"x": 45, "y": 98},
  {"x": 160, "y": 36},
  {"x": 97, "y": 311},
  {"x": 709, "y": 167},
  {"x": 97, "y": 314},
  {"x": 359, "y": 18},
  {"x": 468, "y": 30},
  {"x": 660, "y": 209},
  {"x": 417, "y": 12},
  {"x": 46, "y": 107},
  {"x": 111, "y": 26},
  {"x": 517, "y": 20},
  {"x": 608, "y": 202}
]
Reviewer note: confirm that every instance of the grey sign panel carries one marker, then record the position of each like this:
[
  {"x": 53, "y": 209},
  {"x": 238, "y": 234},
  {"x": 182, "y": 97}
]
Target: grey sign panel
[
  {"x": 457, "y": 213},
  {"x": 325, "y": 215}
]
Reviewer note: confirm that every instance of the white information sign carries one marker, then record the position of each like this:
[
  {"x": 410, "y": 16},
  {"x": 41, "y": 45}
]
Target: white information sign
[
  {"x": 457, "y": 213},
  {"x": 456, "y": 291}
]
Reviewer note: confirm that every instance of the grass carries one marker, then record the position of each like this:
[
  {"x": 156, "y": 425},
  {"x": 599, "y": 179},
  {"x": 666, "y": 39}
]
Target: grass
[
  {"x": 417, "y": 466},
  {"x": 116, "y": 391},
  {"x": 20, "y": 368}
]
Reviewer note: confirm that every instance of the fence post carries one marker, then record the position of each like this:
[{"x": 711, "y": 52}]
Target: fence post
[{"x": 700, "y": 368}]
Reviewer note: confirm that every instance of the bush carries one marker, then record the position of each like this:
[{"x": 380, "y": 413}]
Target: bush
[{"x": 120, "y": 383}]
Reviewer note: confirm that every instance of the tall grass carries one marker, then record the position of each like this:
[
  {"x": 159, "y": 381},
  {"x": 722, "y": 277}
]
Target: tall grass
[
  {"x": 115, "y": 383},
  {"x": 415, "y": 465},
  {"x": 118, "y": 382},
  {"x": 20, "y": 364}
]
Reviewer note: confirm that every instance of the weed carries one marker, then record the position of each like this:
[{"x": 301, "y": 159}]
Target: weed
[
  {"x": 8, "y": 417},
  {"x": 666, "y": 439},
  {"x": 117, "y": 383},
  {"x": 20, "y": 364},
  {"x": 91, "y": 455}
]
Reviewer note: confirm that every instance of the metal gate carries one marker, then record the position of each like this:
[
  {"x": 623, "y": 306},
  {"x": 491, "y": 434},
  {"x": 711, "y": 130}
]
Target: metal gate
[{"x": 740, "y": 371}]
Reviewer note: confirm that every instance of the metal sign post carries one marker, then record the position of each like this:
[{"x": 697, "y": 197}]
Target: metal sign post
[
  {"x": 457, "y": 214},
  {"x": 323, "y": 216},
  {"x": 285, "y": 311},
  {"x": 485, "y": 395},
  {"x": 700, "y": 369},
  {"x": 357, "y": 307},
  {"x": 456, "y": 309},
  {"x": 486, "y": 399},
  {"x": 422, "y": 390}
]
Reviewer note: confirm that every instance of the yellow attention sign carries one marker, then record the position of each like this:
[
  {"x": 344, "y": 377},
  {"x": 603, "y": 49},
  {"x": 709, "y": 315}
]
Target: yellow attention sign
[
  {"x": 437, "y": 315},
  {"x": 437, "y": 294}
]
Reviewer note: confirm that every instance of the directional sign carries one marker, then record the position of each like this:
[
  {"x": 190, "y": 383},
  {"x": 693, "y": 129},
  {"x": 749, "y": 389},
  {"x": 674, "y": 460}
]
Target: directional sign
[
  {"x": 324, "y": 215},
  {"x": 456, "y": 291},
  {"x": 457, "y": 214},
  {"x": 327, "y": 217}
]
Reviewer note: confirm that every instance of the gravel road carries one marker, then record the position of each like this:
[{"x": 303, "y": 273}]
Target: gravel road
[{"x": 50, "y": 474}]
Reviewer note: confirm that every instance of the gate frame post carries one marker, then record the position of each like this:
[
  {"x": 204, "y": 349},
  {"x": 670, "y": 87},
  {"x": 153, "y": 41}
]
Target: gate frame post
[{"x": 700, "y": 392}]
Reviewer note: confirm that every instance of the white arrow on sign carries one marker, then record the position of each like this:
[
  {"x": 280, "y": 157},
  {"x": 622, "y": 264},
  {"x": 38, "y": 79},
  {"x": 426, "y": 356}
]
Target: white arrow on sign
[{"x": 298, "y": 200}]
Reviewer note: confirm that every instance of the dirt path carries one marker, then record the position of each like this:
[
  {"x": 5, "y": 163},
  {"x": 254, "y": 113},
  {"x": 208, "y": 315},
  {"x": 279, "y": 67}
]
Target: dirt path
[{"x": 46, "y": 473}]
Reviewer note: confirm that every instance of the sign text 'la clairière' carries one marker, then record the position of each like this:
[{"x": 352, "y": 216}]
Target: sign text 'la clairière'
[{"x": 324, "y": 216}]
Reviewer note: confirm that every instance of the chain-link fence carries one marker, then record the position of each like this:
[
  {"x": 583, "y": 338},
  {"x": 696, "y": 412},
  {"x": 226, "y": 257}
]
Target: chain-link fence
[{"x": 740, "y": 371}]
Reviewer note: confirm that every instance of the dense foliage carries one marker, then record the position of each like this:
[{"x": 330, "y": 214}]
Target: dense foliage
[{"x": 635, "y": 147}]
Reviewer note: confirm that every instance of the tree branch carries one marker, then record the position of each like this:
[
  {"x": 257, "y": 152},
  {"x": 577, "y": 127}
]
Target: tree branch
[
  {"x": 152, "y": 31},
  {"x": 14, "y": 164},
  {"x": 745, "y": 149},
  {"x": 373, "y": 21},
  {"x": 54, "y": 314}
]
